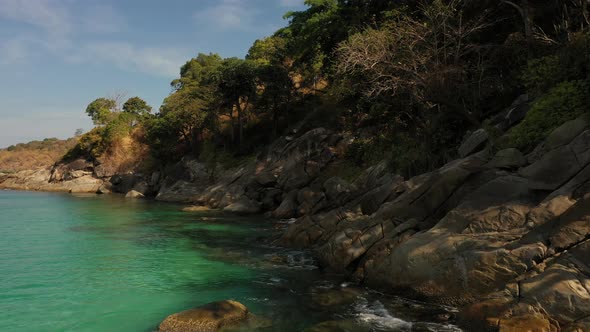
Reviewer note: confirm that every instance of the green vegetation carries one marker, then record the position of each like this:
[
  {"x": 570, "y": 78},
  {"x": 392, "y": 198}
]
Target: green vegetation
[
  {"x": 113, "y": 125},
  {"x": 566, "y": 101},
  {"x": 406, "y": 79}
]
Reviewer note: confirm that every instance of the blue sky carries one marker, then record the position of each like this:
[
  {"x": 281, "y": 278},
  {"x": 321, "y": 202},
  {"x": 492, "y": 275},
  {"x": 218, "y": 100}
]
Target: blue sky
[{"x": 56, "y": 56}]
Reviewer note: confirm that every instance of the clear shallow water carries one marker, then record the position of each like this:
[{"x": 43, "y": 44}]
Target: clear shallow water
[{"x": 103, "y": 263}]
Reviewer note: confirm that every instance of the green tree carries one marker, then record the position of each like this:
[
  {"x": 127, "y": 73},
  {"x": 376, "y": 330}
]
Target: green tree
[
  {"x": 137, "y": 107},
  {"x": 190, "y": 112},
  {"x": 237, "y": 88},
  {"x": 101, "y": 110},
  {"x": 276, "y": 89},
  {"x": 269, "y": 50}
]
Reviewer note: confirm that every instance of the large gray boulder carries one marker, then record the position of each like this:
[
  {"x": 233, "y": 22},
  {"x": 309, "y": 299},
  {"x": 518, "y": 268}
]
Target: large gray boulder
[
  {"x": 508, "y": 159},
  {"x": 473, "y": 143}
]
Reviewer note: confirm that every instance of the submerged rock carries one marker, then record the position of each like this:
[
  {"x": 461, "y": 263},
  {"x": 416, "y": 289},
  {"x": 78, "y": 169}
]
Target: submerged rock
[
  {"x": 196, "y": 208},
  {"x": 212, "y": 317},
  {"x": 339, "y": 326},
  {"x": 134, "y": 194}
]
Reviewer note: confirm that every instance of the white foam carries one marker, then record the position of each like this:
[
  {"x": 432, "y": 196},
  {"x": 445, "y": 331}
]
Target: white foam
[{"x": 377, "y": 315}]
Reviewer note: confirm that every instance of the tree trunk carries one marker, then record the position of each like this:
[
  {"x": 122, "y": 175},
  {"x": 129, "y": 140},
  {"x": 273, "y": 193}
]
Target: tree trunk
[
  {"x": 231, "y": 121},
  {"x": 526, "y": 13},
  {"x": 528, "y": 20},
  {"x": 240, "y": 124}
]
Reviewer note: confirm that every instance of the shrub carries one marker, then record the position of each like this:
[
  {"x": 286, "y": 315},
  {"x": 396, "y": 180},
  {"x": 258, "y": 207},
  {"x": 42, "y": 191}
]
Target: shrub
[
  {"x": 564, "y": 102},
  {"x": 568, "y": 64}
]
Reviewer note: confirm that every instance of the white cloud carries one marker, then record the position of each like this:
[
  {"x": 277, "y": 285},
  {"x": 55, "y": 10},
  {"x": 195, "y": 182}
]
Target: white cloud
[
  {"x": 155, "y": 61},
  {"x": 46, "y": 14},
  {"x": 65, "y": 34},
  {"x": 228, "y": 14}
]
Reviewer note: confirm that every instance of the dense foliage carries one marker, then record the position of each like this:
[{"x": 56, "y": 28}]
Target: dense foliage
[{"x": 407, "y": 79}]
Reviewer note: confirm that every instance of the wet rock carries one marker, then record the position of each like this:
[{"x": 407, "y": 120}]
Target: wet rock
[
  {"x": 339, "y": 326},
  {"x": 326, "y": 298},
  {"x": 243, "y": 206},
  {"x": 105, "y": 188},
  {"x": 196, "y": 208},
  {"x": 123, "y": 183},
  {"x": 134, "y": 194},
  {"x": 142, "y": 187},
  {"x": 212, "y": 317}
]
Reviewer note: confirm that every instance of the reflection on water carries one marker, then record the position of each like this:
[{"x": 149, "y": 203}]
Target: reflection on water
[{"x": 89, "y": 263}]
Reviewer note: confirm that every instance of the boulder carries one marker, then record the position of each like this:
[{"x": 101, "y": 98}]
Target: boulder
[
  {"x": 310, "y": 201},
  {"x": 134, "y": 194},
  {"x": 271, "y": 198},
  {"x": 338, "y": 191},
  {"x": 508, "y": 159},
  {"x": 324, "y": 298},
  {"x": 473, "y": 143},
  {"x": 105, "y": 188},
  {"x": 212, "y": 317},
  {"x": 142, "y": 187},
  {"x": 196, "y": 208},
  {"x": 266, "y": 179},
  {"x": 566, "y": 133},
  {"x": 288, "y": 207},
  {"x": 243, "y": 206},
  {"x": 123, "y": 183},
  {"x": 553, "y": 169}
]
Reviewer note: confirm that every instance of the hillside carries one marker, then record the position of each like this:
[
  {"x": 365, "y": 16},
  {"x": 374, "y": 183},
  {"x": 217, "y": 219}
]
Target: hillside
[{"x": 34, "y": 154}]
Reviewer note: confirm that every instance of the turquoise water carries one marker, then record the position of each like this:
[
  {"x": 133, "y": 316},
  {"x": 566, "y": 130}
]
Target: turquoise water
[{"x": 103, "y": 263}]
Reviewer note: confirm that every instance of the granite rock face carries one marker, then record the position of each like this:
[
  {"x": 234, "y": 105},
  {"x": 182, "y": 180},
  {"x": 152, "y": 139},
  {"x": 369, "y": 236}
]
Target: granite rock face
[
  {"x": 504, "y": 237},
  {"x": 46, "y": 180}
]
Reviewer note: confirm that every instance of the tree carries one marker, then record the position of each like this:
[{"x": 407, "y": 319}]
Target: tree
[
  {"x": 189, "y": 112},
  {"x": 269, "y": 50},
  {"x": 237, "y": 88},
  {"x": 101, "y": 110},
  {"x": 276, "y": 88},
  {"x": 425, "y": 61},
  {"x": 186, "y": 115},
  {"x": 137, "y": 107},
  {"x": 525, "y": 11},
  {"x": 78, "y": 132}
]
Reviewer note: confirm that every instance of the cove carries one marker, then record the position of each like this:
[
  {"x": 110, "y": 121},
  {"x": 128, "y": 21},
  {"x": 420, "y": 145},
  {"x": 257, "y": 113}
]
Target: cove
[{"x": 103, "y": 263}]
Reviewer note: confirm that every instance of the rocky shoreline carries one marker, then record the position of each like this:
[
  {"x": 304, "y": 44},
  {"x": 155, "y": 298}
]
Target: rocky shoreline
[{"x": 501, "y": 235}]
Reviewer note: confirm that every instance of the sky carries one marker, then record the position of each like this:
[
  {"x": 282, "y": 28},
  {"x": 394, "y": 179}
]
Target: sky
[{"x": 56, "y": 56}]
